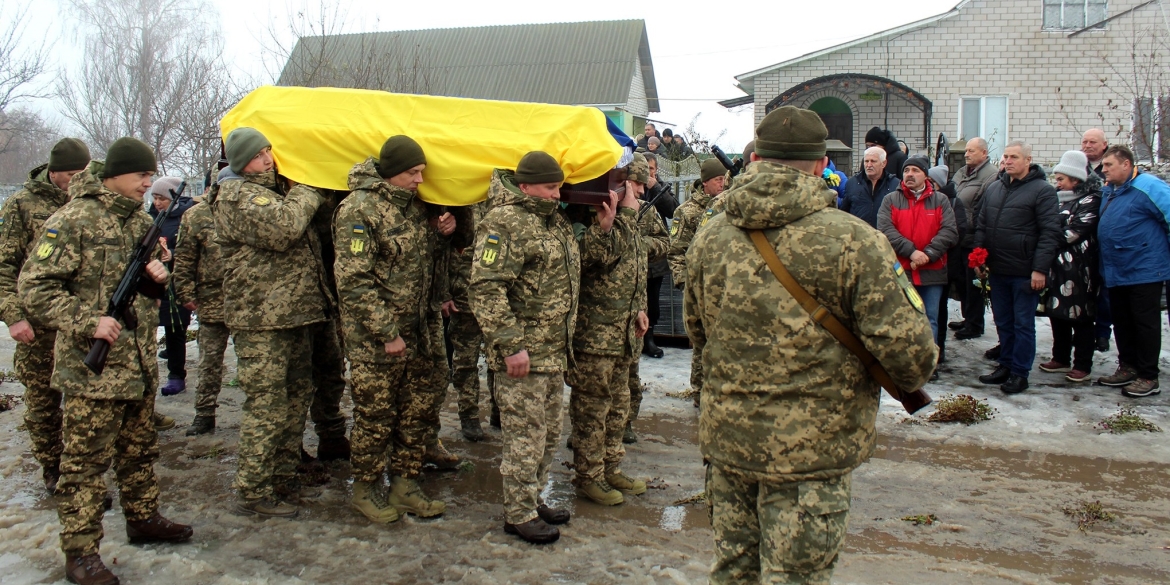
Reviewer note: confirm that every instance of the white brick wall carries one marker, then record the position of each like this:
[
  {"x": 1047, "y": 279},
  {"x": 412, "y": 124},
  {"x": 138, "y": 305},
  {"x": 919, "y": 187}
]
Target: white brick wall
[
  {"x": 992, "y": 47},
  {"x": 637, "y": 103}
]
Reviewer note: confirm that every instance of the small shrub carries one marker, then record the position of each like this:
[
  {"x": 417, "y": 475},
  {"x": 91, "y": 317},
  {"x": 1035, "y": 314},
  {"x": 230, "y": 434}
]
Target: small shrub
[
  {"x": 1088, "y": 514},
  {"x": 1126, "y": 420},
  {"x": 963, "y": 408},
  {"x": 921, "y": 519}
]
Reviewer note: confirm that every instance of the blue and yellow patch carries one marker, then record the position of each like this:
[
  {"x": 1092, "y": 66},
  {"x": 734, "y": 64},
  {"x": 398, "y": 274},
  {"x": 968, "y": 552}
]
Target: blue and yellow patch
[
  {"x": 359, "y": 229},
  {"x": 357, "y": 244},
  {"x": 491, "y": 250},
  {"x": 51, "y": 234},
  {"x": 898, "y": 270}
]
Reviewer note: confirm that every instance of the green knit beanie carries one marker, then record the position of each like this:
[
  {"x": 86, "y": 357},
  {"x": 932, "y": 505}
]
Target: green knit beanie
[
  {"x": 639, "y": 170},
  {"x": 69, "y": 154},
  {"x": 539, "y": 167},
  {"x": 128, "y": 155},
  {"x": 790, "y": 133},
  {"x": 748, "y": 149},
  {"x": 242, "y": 145},
  {"x": 710, "y": 169},
  {"x": 399, "y": 153}
]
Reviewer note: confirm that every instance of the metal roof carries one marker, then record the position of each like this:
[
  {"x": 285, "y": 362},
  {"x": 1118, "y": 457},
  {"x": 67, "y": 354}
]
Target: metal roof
[{"x": 577, "y": 63}]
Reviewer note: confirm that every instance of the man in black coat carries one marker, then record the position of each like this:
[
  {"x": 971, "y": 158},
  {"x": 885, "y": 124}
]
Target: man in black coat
[
  {"x": 1019, "y": 225},
  {"x": 664, "y": 201},
  {"x": 865, "y": 191}
]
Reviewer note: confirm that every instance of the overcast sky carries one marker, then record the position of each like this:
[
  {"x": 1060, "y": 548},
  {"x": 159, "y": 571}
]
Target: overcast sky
[{"x": 697, "y": 47}]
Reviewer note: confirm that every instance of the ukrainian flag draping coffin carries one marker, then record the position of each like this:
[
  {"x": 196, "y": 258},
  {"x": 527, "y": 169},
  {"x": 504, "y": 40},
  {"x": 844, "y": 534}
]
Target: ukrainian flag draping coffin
[{"x": 318, "y": 134}]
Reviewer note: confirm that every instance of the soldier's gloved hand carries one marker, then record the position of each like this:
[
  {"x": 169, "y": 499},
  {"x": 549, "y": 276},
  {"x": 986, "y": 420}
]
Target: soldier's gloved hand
[
  {"x": 21, "y": 332},
  {"x": 517, "y": 364},
  {"x": 448, "y": 308},
  {"x": 641, "y": 324},
  {"x": 157, "y": 271},
  {"x": 397, "y": 347},
  {"x": 108, "y": 329}
]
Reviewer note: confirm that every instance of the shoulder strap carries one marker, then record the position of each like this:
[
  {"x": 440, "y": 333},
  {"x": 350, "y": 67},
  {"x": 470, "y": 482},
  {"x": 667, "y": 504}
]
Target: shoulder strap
[{"x": 912, "y": 401}]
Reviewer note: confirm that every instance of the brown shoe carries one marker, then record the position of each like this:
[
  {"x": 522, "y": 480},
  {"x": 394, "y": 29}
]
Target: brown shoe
[
  {"x": 1122, "y": 377},
  {"x": 88, "y": 570},
  {"x": 1140, "y": 388},
  {"x": 552, "y": 515},
  {"x": 157, "y": 529},
  {"x": 535, "y": 531},
  {"x": 441, "y": 458}
]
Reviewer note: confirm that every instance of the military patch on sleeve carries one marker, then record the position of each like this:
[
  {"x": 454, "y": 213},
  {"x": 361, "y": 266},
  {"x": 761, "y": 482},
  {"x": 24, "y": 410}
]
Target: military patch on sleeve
[
  {"x": 707, "y": 216},
  {"x": 908, "y": 288},
  {"x": 45, "y": 250},
  {"x": 357, "y": 243},
  {"x": 491, "y": 250},
  {"x": 261, "y": 200},
  {"x": 51, "y": 234},
  {"x": 674, "y": 228}
]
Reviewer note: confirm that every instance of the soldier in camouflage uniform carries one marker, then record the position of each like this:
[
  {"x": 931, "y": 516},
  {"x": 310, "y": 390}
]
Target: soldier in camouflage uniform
[
  {"x": 523, "y": 292},
  {"x": 788, "y": 411},
  {"x": 611, "y": 320},
  {"x": 198, "y": 282},
  {"x": 328, "y": 355},
  {"x": 21, "y": 222},
  {"x": 68, "y": 282},
  {"x": 385, "y": 264},
  {"x": 274, "y": 292},
  {"x": 687, "y": 219}
]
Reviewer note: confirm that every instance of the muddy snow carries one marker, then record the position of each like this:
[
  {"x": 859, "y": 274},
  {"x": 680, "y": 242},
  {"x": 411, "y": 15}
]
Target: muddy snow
[{"x": 997, "y": 489}]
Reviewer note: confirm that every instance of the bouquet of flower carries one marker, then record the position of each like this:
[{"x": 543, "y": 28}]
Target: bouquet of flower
[{"x": 976, "y": 260}]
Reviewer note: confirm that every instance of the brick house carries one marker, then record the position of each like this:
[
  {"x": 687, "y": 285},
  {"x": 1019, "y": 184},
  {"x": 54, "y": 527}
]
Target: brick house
[{"x": 1042, "y": 71}]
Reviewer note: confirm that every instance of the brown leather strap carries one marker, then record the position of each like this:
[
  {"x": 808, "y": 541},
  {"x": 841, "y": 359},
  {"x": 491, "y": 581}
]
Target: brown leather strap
[{"x": 822, "y": 315}]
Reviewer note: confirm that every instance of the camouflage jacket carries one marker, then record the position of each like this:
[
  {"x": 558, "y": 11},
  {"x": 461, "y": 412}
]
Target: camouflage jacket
[
  {"x": 460, "y": 259},
  {"x": 198, "y": 273},
  {"x": 273, "y": 277},
  {"x": 21, "y": 220},
  {"x": 526, "y": 279},
  {"x": 653, "y": 231},
  {"x": 686, "y": 222},
  {"x": 385, "y": 267},
  {"x": 68, "y": 281},
  {"x": 613, "y": 287},
  {"x": 782, "y": 398}
]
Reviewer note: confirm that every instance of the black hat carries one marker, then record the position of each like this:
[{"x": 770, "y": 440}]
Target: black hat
[
  {"x": 917, "y": 161},
  {"x": 69, "y": 154},
  {"x": 399, "y": 153},
  {"x": 128, "y": 155},
  {"x": 539, "y": 167}
]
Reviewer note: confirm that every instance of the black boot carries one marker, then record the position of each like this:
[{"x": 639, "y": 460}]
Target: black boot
[
  {"x": 649, "y": 348},
  {"x": 1014, "y": 385},
  {"x": 202, "y": 425},
  {"x": 333, "y": 449},
  {"x": 999, "y": 376}
]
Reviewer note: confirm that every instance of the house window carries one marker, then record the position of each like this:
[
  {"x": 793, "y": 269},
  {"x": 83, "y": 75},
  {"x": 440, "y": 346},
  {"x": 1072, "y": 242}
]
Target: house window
[
  {"x": 1150, "y": 134},
  {"x": 1074, "y": 14},
  {"x": 986, "y": 117}
]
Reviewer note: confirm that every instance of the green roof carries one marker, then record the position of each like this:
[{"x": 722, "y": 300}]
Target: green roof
[{"x": 576, "y": 63}]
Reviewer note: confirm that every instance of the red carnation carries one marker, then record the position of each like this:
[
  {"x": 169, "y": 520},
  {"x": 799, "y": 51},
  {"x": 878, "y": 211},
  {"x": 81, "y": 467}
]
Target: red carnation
[{"x": 977, "y": 258}]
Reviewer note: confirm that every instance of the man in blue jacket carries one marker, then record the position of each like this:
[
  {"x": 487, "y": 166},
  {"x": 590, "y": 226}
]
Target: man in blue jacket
[
  {"x": 1135, "y": 261},
  {"x": 865, "y": 191}
]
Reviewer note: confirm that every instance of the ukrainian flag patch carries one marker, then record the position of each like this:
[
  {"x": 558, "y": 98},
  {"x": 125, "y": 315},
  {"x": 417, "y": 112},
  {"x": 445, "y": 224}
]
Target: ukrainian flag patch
[
  {"x": 491, "y": 250},
  {"x": 898, "y": 270},
  {"x": 359, "y": 228},
  {"x": 51, "y": 234}
]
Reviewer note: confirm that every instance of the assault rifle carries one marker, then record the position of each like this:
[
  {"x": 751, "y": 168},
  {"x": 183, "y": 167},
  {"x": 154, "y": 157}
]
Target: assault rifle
[
  {"x": 133, "y": 281},
  {"x": 733, "y": 167}
]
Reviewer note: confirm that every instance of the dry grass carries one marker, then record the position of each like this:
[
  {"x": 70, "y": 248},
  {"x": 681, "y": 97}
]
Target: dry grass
[
  {"x": 1126, "y": 420},
  {"x": 963, "y": 408},
  {"x": 921, "y": 519},
  {"x": 1088, "y": 514}
]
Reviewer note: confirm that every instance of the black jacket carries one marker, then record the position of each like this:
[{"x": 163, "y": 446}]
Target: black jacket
[
  {"x": 665, "y": 203},
  {"x": 895, "y": 158},
  {"x": 860, "y": 199},
  {"x": 1019, "y": 224},
  {"x": 170, "y": 227}
]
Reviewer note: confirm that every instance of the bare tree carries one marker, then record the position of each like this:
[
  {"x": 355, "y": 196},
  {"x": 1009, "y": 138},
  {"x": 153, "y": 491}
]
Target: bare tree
[
  {"x": 21, "y": 63},
  {"x": 152, "y": 69},
  {"x": 26, "y": 145}
]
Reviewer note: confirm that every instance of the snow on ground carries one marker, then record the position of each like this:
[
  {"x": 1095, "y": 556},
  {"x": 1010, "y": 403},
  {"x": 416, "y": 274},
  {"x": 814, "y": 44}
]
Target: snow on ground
[{"x": 996, "y": 488}]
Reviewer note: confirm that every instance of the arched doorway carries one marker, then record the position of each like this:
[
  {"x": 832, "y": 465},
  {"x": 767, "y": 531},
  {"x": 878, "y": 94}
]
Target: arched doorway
[{"x": 837, "y": 116}]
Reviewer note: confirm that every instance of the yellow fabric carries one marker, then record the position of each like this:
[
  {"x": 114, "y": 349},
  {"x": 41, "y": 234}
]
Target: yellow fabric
[{"x": 318, "y": 134}]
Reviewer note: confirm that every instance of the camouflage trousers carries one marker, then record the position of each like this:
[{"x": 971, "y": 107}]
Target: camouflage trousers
[
  {"x": 636, "y": 389},
  {"x": 98, "y": 433},
  {"x": 467, "y": 339},
  {"x": 213, "y": 340},
  {"x": 276, "y": 377},
  {"x": 598, "y": 407},
  {"x": 697, "y": 370},
  {"x": 531, "y": 421},
  {"x": 328, "y": 381},
  {"x": 775, "y": 532},
  {"x": 435, "y": 393},
  {"x": 390, "y": 404},
  {"x": 33, "y": 363}
]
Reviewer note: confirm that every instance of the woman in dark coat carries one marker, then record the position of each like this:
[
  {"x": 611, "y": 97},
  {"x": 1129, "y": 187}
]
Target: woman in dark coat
[{"x": 1073, "y": 280}]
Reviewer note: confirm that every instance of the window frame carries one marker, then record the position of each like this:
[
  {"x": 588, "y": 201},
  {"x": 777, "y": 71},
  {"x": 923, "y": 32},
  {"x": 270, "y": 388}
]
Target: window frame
[
  {"x": 1007, "y": 116},
  {"x": 1064, "y": 6}
]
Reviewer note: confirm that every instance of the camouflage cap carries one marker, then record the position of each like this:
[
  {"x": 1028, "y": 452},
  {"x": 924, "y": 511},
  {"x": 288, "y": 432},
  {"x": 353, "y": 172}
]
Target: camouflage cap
[
  {"x": 791, "y": 133},
  {"x": 69, "y": 154},
  {"x": 639, "y": 170}
]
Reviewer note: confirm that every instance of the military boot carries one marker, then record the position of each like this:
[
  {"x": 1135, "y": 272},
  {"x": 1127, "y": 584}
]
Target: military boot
[
  {"x": 265, "y": 508},
  {"x": 88, "y": 570},
  {"x": 295, "y": 492},
  {"x": 600, "y": 492},
  {"x": 156, "y": 529},
  {"x": 495, "y": 419},
  {"x": 625, "y": 483},
  {"x": 163, "y": 422},
  {"x": 51, "y": 475},
  {"x": 536, "y": 531},
  {"x": 333, "y": 449},
  {"x": 441, "y": 458},
  {"x": 408, "y": 498},
  {"x": 471, "y": 429},
  {"x": 370, "y": 499},
  {"x": 202, "y": 425},
  {"x": 628, "y": 436}
]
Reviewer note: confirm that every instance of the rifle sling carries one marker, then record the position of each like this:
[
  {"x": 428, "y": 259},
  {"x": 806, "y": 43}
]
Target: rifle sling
[{"x": 822, "y": 315}]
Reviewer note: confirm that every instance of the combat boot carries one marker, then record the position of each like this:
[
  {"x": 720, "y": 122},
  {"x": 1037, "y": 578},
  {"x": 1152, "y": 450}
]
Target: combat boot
[
  {"x": 156, "y": 529},
  {"x": 295, "y": 492},
  {"x": 265, "y": 508},
  {"x": 441, "y": 458},
  {"x": 163, "y": 422},
  {"x": 472, "y": 431},
  {"x": 408, "y": 498},
  {"x": 202, "y": 425},
  {"x": 88, "y": 570},
  {"x": 600, "y": 492},
  {"x": 333, "y": 449},
  {"x": 535, "y": 531},
  {"x": 628, "y": 436},
  {"x": 552, "y": 515},
  {"x": 370, "y": 499},
  {"x": 625, "y": 483}
]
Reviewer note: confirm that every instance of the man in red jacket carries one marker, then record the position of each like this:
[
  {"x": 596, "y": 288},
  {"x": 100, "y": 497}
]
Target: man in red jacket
[{"x": 920, "y": 224}]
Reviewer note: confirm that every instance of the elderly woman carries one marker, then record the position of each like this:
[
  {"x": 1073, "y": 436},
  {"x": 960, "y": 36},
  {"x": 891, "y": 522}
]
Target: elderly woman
[{"x": 1073, "y": 279}]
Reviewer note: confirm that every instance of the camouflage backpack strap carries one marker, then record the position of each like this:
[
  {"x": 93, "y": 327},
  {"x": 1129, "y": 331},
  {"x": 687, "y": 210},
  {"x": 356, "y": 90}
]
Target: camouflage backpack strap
[{"x": 912, "y": 401}]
